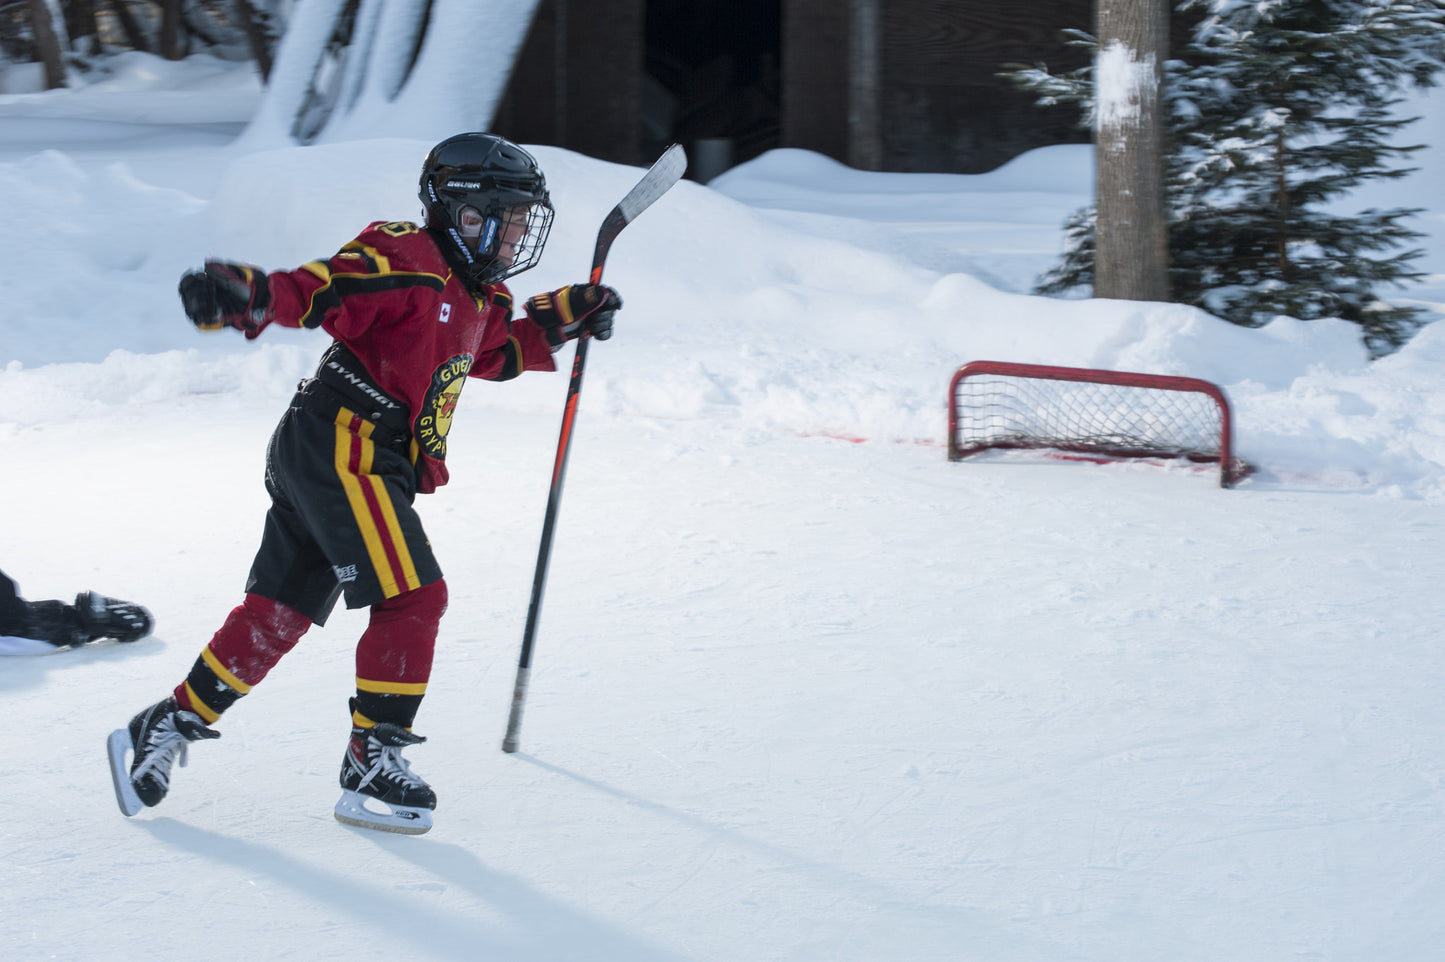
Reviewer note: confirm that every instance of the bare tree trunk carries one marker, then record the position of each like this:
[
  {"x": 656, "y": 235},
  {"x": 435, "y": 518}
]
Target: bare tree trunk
[
  {"x": 864, "y": 134},
  {"x": 1131, "y": 258},
  {"x": 256, "y": 36},
  {"x": 80, "y": 24},
  {"x": 47, "y": 45},
  {"x": 171, "y": 35},
  {"x": 134, "y": 35}
]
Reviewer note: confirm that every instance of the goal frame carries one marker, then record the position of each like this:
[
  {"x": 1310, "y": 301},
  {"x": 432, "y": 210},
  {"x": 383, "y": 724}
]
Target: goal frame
[{"x": 1230, "y": 469}]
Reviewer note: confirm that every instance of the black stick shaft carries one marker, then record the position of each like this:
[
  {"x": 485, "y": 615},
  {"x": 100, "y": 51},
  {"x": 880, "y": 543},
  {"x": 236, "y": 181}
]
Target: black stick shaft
[
  {"x": 544, "y": 550},
  {"x": 657, "y": 181}
]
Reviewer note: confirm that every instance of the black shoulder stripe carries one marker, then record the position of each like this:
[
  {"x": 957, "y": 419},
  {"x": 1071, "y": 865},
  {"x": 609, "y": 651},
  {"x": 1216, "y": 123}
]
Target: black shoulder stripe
[
  {"x": 346, "y": 285},
  {"x": 360, "y": 250}
]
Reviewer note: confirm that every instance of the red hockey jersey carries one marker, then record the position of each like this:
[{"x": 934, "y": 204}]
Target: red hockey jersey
[{"x": 390, "y": 297}]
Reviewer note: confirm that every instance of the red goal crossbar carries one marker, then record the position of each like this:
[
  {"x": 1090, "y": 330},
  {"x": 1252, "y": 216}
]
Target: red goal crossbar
[{"x": 1111, "y": 414}]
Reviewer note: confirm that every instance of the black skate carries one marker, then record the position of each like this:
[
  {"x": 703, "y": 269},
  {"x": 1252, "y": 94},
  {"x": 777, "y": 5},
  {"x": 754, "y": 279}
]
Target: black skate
[
  {"x": 102, "y": 617},
  {"x": 373, "y": 769},
  {"x": 158, "y": 736}
]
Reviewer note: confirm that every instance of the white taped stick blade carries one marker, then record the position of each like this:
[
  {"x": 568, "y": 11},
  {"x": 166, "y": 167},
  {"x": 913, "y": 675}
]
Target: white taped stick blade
[
  {"x": 658, "y": 180},
  {"x": 402, "y": 819}
]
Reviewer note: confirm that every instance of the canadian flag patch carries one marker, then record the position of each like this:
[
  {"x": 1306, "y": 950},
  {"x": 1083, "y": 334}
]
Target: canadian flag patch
[{"x": 446, "y": 314}]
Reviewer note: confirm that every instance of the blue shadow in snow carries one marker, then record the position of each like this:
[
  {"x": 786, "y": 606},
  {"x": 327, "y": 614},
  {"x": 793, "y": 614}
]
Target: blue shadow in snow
[{"x": 540, "y": 928}]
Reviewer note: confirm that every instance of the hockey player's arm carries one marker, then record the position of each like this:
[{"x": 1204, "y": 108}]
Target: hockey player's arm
[
  {"x": 525, "y": 349},
  {"x": 550, "y": 320},
  {"x": 344, "y": 293},
  {"x": 300, "y": 298},
  {"x": 574, "y": 310},
  {"x": 227, "y": 294},
  {"x": 510, "y": 347},
  {"x": 348, "y": 293}
]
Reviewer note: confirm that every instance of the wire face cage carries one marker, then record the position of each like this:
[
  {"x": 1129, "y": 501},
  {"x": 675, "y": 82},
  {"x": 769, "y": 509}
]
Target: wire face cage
[{"x": 1109, "y": 414}]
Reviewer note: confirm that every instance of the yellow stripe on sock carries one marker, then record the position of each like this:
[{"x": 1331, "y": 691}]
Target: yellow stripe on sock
[
  {"x": 391, "y": 687},
  {"x": 214, "y": 663},
  {"x": 207, "y": 715}
]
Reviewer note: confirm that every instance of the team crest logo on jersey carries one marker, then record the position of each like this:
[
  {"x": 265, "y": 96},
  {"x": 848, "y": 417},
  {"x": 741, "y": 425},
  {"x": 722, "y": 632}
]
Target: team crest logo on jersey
[{"x": 440, "y": 403}]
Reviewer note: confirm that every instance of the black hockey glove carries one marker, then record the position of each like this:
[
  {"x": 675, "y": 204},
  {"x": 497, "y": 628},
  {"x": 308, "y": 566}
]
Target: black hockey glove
[
  {"x": 567, "y": 313},
  {"x": 102, "y": 617},
  {"x": 226, "y": 294}
]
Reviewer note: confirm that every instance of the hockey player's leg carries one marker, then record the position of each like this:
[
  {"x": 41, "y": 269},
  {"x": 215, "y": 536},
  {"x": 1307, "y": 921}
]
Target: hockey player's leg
[
  {"x": 92, "y": 618},
  {"x": 393, "y": 664},
  {"x": 102, "y": 617},
  {"x": 255, "y": 636},
  {"x": 12, "y": 607},
  {"x": 156, "y": 738},
  {"x": 55, "y": 623},
  {"x": 373, "y": 770}
]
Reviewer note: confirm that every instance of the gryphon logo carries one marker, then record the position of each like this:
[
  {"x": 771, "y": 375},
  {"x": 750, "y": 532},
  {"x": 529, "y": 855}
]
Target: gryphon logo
[{"x": 446, "y": 314}]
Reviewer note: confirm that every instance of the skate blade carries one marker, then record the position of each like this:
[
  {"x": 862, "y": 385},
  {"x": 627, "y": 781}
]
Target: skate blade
[
  {"x": 401, "y": 819},
  {"x": 116, "y": 746}
]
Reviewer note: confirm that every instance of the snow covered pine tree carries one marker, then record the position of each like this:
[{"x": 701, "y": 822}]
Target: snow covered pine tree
[{"x": 1277, "y": 110}]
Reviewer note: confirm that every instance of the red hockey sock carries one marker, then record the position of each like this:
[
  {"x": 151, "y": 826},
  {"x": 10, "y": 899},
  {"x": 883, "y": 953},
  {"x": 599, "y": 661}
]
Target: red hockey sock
[
  {"x": 394, "y": 656},
  {"x": 255, "y": 636}
]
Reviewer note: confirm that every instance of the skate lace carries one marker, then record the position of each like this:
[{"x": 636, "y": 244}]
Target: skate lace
[
  {"x": 388, "y": 762},
  {"x": 164, "y": 745}
]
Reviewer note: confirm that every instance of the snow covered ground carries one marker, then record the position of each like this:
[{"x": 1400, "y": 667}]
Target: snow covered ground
[{"x": 795, "y": 698}]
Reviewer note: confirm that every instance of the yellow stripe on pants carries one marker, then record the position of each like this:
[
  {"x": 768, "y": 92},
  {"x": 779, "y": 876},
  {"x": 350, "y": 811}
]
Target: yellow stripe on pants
[{"x": 375, "y": 516}]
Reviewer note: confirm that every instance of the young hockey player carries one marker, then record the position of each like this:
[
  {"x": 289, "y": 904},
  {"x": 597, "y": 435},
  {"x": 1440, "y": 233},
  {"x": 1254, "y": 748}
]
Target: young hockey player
[
  {"x": 413, "y": 311},
  {"x": 39, "y": 627}
]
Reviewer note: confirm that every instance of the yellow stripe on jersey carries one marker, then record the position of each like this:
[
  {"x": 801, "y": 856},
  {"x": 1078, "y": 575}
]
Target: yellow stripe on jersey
[
  {"x": 382, "y": 262},
  {"x": 320, "y": 268}
]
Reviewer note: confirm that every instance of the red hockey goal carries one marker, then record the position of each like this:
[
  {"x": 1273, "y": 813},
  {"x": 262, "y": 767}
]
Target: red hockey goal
[{"x": 1107, "y": 414}]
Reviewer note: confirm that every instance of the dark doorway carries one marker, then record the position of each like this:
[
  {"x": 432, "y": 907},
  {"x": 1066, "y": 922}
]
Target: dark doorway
[{"x": 711, "y": 80}]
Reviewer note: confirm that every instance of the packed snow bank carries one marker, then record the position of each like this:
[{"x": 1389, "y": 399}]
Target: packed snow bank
[
  {"x": 731, "y": 315},
  {"x": 808, "y": 334},
  {"x": 135, "y": 87},
  {"x": 795, "y": 699}
]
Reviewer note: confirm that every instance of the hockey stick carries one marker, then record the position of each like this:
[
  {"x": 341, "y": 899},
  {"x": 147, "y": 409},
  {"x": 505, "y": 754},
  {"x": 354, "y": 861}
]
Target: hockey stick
[{"x": 657, "y": 181}]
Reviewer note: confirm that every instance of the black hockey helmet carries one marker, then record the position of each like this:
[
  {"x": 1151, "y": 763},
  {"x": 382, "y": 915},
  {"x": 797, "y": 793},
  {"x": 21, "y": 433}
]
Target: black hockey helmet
[{"x": 487, "y": 202}]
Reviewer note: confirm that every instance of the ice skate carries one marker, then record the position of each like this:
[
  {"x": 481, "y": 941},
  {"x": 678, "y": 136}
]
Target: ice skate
[
  {"x": 102, "y": 617},
  {"x": 373, "y": 770},
  {"x": 158, "y": 738}
]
